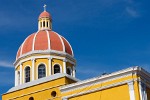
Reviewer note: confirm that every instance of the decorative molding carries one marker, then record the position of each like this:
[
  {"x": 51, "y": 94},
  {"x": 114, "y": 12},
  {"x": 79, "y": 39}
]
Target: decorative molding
[
  {"x": 99, "y": 79},
  {"x": 39, "y": 81},
  {"x": 50, "y": 65},
  {"x": 64, "y": 66},
  {"x": 44, "y": 56},
  {"x": 49, "y": 52},
  {"x": 96, "y": 89},
  {"x": 33, "y": 68}
]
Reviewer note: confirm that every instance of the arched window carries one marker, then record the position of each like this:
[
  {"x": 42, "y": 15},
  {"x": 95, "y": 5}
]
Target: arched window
[
  {"x": 69, "y": 71},
  {"x": 27, "y": 74},
  {"x": 56, "y": 69},
  {"x": 44, "y": 24},
  {"x": 18, "y": 77},
  {"x": 41, "y": 71},
  {"x": 47, "y": 23}
]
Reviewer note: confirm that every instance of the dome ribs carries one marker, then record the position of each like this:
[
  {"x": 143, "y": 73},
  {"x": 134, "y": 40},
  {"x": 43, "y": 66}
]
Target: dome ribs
[{"x": 44, "y": 40}]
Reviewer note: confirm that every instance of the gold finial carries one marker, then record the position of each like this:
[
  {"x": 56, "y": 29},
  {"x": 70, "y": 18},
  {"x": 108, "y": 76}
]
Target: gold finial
[{"x": 44, "y": 7}]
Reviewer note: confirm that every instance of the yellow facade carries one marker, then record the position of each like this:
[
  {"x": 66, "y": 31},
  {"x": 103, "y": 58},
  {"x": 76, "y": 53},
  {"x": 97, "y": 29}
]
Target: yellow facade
[
  {"x": 124, "y": 86},
  {"x": 50, "y": 75}
]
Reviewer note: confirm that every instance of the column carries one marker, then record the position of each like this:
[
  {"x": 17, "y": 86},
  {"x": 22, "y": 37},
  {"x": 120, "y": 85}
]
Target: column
[
  {"x": 131, "y": 90},
  {"x": 16, "y": 78},
  {"x": 64, "y": 66},
  {"x": 143, "y": 93},
  {"x": 21, "y": 75},
  {"x": 74, "y": 72},
  {"x": 50, "y": 65},
  {"x": 33, "y": 69}
]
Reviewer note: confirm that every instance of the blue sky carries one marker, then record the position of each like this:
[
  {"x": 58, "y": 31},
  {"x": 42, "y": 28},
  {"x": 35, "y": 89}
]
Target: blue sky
[{"x": 106, "y": 35}]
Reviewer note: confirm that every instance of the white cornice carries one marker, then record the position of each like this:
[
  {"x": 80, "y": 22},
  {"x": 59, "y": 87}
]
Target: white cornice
[
  {"x": 96, "y": 89},
  {"x": 49, "y": 52},
  {"x": 103, "y": 78},
  {"x": 41, "y": 80}
]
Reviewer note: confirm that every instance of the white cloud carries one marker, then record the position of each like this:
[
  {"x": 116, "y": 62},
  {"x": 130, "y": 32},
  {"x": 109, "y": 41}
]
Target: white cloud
[
  {"x": 5, "y": 64},
  {"x": 132, "y": 12}
]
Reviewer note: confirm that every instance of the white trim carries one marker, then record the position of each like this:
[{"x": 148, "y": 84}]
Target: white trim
[
  {"x": 64, "y": 66},
  {"x": 96, "y": 89},
  {"x": 21, "y": 73},
  {"x": 99, "y": 79},
  {"x": 33, "y": 43},
  {"x": 131, "y": 90},
  {"x": 39, "y": 81},
  {"x": 50, "y": 65},
  {"x": 37, "y": 74},
  {"x": 74, "y": 71},
  {"x": 59, "y": 66},
  {"x": 72, "y": 61},
  {"x": 140, "y": 90},
  {"x": 48, "y": 38},
  {"x": 16, "y": 77},
  {"x": 33, "y": 68},
  {"x": 61, "y": 41},
  {"x": 51, "y": 52}
]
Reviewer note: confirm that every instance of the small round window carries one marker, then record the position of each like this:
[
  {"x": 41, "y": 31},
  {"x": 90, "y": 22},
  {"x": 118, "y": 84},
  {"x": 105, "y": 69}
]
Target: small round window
[
  {"x": 53, "y": 94},
  {"x": 31, "y": 98}
]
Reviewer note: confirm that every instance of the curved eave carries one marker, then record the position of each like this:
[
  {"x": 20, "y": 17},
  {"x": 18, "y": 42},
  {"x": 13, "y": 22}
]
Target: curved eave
[{"x": 49, "y": 52}]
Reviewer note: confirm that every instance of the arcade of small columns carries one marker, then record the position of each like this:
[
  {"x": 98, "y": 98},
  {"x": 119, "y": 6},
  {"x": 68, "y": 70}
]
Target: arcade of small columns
[
  {"x": 44, "y": 23},
  {"x": 19, "y": 79}
]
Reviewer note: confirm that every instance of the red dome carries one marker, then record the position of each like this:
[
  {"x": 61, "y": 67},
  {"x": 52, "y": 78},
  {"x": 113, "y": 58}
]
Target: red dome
[
  {"x": 44, "y": 40},
  {"x": 44, "y": 14}
]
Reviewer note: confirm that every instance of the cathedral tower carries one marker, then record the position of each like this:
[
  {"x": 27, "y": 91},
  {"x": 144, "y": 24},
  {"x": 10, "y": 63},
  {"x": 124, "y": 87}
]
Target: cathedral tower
[{"x": 43, "y": 53}]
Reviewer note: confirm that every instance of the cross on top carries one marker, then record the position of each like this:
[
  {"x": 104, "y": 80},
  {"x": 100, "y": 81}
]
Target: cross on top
[{"x": 44, "y": 7}]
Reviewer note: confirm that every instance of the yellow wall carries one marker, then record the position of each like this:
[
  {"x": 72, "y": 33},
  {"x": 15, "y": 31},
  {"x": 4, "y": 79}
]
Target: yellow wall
[
  {"x": 39, "y": 92},
  {"x": 116, "y": 93}
]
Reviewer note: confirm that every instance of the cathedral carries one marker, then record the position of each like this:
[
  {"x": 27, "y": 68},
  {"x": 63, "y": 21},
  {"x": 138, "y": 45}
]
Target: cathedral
[{"x": 45, "y": 69}]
